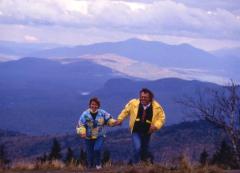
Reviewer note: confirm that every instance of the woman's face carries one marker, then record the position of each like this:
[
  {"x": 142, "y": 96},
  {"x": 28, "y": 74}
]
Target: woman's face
[{"x": 94, "y": 106}]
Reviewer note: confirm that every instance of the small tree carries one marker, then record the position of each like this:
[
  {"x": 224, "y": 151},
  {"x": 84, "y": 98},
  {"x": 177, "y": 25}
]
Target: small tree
[
  {"x": 3, "y": 157},
  {"x": 221, "y": 107},
  {"x": 43, "y": 158},
  {"x": 224, "y": 156},
  {"x": 203, "y": 157},
  {"x": 69, "y": 157},
  {"x": 55, "y": 153}
]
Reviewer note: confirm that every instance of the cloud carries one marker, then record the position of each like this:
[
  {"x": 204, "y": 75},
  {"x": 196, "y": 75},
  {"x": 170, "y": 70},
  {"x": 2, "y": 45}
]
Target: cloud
[
  {"x": 159, "y": 17},
  {"x": 96, "y": 19},
  {"x": 83, "y": 36},
  {"x": 229, "y": 5},
  {"x": 30, "y": 38}
]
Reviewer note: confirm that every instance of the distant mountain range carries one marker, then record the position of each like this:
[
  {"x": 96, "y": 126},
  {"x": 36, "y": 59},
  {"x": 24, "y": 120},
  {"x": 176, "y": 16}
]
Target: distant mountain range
[
  {"x": 46, "y": 92},
  {"x": 189, "y": 138},
  {"x": 232, "y": 61},
  {"x": 164, "y": 55},
  {"x": 230, "y": 52},
  {"x": 173, "y": 57},
  {"x": 9, "y": 48},
  {"x": 144, "y": 70},
  {"x": 154, "y": 59},
  {"x": 40, "y": 96},
  {"x": 26, "y": 72},
  {"x": 38, "y": 93}
]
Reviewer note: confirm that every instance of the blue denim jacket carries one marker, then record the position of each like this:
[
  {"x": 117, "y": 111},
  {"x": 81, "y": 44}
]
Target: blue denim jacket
[{"x": 94, "y": 128}]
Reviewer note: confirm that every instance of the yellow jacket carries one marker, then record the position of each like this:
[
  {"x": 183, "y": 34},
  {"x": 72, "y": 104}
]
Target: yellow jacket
[{"x": 131, "y": 109}]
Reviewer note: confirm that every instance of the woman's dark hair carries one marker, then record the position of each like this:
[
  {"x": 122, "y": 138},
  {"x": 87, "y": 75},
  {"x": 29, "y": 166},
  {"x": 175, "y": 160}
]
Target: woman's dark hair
[
  {"x": 145, "y": 90},
  {"x": 94, "y": 99}
]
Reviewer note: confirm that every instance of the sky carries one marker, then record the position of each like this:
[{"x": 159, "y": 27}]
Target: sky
[{"x": 205, "y": 24}]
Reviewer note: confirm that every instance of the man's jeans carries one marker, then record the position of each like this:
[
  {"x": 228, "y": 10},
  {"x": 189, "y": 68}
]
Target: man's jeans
[
  {"x": 140, "y": 146},
  {"x": 94, "y": 148}
]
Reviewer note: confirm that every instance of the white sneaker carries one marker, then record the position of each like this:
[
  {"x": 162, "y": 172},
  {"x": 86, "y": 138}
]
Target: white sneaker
[{"x": 98, "y": 167}]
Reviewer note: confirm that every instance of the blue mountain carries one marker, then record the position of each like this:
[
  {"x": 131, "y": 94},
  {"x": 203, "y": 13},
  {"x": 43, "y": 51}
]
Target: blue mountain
[
  {"x": 117, "y": 92},
  {"x": 40, "y": 96},
  {"x": 231, "y": 59},
  {"x": 38, "y": 93},
  {"x": 173, "y": 57},
  {"x": 181, "y": 56},
  {"x": 164, "y": 55},
  {"x": 22, "y": 49}
]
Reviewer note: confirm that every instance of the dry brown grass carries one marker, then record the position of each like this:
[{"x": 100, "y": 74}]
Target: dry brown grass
[
  {"x": 183, "y": 166},
  {"x": 157, "y": 168},
  {"x": 48, "y": 165},
  {"x": 23, "y": 165}
]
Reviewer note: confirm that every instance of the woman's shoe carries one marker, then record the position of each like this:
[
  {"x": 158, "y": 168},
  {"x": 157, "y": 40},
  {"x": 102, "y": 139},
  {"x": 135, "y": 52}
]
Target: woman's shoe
[{"x": 98, "y": 167}]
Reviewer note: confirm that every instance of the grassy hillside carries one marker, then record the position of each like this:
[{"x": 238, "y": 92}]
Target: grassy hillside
[
  {"x": 182, "y": 167},
  {"x": 189, "y": 138}
]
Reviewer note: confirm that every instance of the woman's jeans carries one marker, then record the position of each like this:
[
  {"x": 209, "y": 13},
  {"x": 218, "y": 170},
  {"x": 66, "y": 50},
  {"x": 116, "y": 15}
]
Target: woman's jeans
[
  {"x": 140, "y": 146},
  {"x": 94, "y": 148}
]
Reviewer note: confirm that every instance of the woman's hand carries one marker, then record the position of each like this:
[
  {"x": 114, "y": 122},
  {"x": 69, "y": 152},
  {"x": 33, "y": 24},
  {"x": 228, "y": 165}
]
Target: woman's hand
[{"x": 83, "y": 135}]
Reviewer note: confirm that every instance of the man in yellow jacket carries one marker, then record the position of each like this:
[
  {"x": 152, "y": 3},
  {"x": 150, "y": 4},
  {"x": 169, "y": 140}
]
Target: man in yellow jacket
[{"x": 146, "y": 116}]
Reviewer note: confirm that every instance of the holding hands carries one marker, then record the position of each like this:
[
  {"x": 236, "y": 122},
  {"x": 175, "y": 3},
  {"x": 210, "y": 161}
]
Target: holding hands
[{"x": 117, "y": 123}]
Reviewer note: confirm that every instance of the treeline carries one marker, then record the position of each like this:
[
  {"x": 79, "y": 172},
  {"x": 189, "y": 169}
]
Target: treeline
[
  {"x": 223, "y": 157},
  {"x": 70, "y": 157},
  {"x": 56, "y": 154}
]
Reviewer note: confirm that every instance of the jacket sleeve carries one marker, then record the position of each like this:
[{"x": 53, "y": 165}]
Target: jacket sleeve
[
  {"x": 125, "y": 112},
  {"x": 111, "y": 122},
  {"x": 108, "y": 118},
  {"x": 159, "y": 119},
  {"x": 81, "y": 129}
]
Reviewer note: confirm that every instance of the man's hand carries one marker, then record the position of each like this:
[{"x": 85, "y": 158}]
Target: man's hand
[
  {"x": 152, "y": 129},
  {"x": 117, "y": 123}
]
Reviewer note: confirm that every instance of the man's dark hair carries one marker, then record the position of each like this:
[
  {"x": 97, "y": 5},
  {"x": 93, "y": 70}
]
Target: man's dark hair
[
  {"x": 145, "y": 90},
  {"x": 94, "y": 99}
]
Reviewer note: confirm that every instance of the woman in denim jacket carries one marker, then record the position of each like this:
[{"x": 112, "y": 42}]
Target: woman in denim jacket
[{"x": 91, "y": 128}]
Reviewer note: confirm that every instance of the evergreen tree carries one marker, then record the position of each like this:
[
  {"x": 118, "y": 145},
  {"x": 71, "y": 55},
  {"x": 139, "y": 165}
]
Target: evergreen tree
[
  {"x": 69, "y": 156},
  {"x": 55, "y": 153},
  {"x": 203, "y": 157},
  {"x": 106, "y": 156},
  {"x": 3, "y": 157},
  {"x": 43, "y": 158},
  {"x": 224, "y": 156}
]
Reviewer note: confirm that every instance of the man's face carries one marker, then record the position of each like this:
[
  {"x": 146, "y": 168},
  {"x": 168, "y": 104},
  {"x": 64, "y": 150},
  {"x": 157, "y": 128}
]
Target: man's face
[{"x": 145, "y": 98}]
